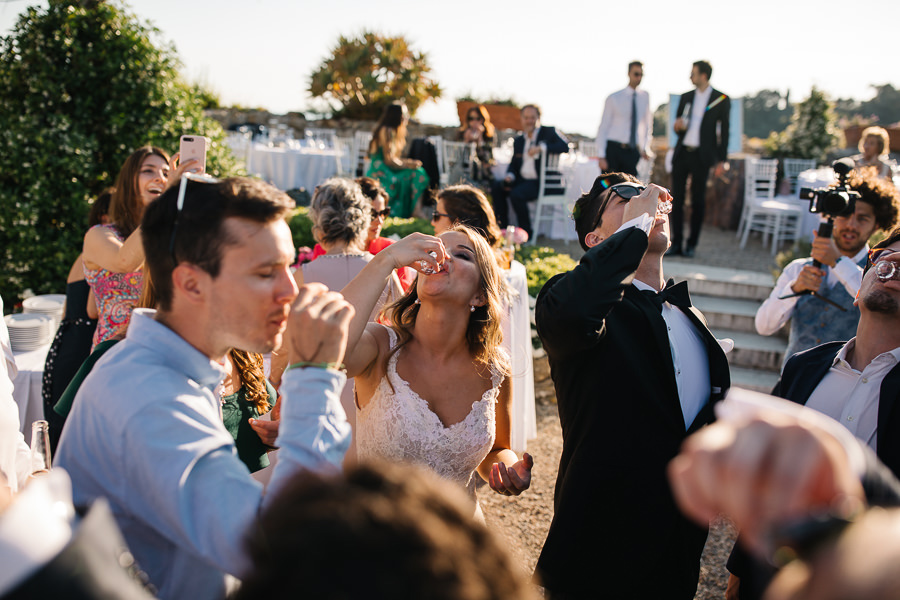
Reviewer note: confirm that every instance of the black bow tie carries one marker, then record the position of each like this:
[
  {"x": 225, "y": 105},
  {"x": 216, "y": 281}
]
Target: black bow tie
[{"x": 675, "y": 294}]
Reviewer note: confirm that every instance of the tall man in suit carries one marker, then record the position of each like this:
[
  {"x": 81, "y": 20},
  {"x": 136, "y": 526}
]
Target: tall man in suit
[
  {"x": 626, "y": 128},
  {"x": 702, "y": 128},
  {"x": 521, "y": 182},
  {"x": 635, "y": 372},
  {"x": 857, "y": 383}
]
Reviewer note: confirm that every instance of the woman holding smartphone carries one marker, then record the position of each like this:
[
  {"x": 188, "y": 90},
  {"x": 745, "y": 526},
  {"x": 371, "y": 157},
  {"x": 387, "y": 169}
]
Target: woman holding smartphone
[{"x": 113, "y": 253}]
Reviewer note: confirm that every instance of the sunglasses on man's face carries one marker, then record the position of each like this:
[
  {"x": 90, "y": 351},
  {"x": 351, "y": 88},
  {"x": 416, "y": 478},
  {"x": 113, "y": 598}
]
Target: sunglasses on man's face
[
  {"x": 380, "y": 213},
  {"x": 625, "y": 190}
]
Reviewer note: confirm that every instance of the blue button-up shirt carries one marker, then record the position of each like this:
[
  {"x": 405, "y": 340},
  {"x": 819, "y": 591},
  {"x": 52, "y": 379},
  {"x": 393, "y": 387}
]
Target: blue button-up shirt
[{"x": 145, "y": 433}]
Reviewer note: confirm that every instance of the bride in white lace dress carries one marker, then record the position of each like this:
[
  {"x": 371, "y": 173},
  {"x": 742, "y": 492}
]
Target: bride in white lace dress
[{"x": 433, "y": 388}]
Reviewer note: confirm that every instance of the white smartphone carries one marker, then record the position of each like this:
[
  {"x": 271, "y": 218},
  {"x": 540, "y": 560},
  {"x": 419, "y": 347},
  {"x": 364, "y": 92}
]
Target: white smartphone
[{"x": 193, "y": 147}]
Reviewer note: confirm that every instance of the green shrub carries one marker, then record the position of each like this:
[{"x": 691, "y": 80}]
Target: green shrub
[
  {"x": 542, "y": 263},
  {"x": 403, "y": 227},
  {"x": 82, "y": 88}
]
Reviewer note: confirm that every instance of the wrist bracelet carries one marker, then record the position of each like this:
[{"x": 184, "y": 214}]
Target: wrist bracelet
[{"x": 318, "y": 365}]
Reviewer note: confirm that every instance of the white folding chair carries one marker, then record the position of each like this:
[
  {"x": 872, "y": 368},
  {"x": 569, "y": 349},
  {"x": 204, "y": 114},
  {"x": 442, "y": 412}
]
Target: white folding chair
[
  {"x": 761, "y": 211},
  {"x": 344, "y": 147},
  {"x": 552, "y": 201},
  {"x": 455, "y": 158},
  {"x": 360, "y": 153},
  {"x": 588, "y": 148},
  {"x": 789, "y": 231},
  {"x": 792, "y": 169}
]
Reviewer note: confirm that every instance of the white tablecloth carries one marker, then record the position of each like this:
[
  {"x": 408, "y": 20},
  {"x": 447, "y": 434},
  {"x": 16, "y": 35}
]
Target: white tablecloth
[
  {"x": 289, "y": 168},
  {"x": 517, "y": 340},
  {"x": 27, "y": 388}
]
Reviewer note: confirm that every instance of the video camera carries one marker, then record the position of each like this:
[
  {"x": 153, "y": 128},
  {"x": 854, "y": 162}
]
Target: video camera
[{"x": 833, "y": 201}]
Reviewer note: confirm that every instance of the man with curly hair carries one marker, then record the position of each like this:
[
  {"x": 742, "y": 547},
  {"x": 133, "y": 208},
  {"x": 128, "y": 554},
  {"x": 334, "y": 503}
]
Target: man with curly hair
[{"x": 815, "y": 320}]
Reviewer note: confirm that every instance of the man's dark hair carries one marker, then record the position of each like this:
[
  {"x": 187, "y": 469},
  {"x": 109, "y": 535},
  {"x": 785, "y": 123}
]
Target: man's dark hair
[
  {"x": 201, "y": 236},
  {"x": 635, "y": 63},
  {"x": 878, "y": 192},
  {"x": 379, "y": 531},
  {"x": 536, "y": 108},
  {"x": 704, "y": 67},
  {"x": 587, "y": 207}
]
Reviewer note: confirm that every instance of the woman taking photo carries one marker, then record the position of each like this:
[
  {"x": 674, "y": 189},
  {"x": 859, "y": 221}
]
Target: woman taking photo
[
  {"x": 404, "y": 179},
  {"x": 431, "y": 387},
  {"x": 113, "y": 254}
]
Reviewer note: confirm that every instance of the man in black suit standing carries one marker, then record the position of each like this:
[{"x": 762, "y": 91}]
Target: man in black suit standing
[
  {"x": 636, "y": 370},
  {"x": 857, "y": 383},
  {"x": 702, "y": 128},
  {"x": 521, "y": 182}
]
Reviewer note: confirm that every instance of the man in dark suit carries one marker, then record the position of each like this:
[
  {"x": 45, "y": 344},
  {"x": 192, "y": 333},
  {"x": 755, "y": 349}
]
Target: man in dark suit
[
  {"x": 702, "y": 128},
  {"x": 635, "y": 372},
  {"x": 521, "y": 182},
  {"x": 857, "y": 383}
]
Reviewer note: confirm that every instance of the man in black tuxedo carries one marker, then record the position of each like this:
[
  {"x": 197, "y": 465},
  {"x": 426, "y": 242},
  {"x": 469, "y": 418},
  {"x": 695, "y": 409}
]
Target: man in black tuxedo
[
  {"x": 635, "y": 372},
  {"x": 522, "y": 177},
  {"x": 702, "y": 128},
  {"x": 857, "y": 383}
]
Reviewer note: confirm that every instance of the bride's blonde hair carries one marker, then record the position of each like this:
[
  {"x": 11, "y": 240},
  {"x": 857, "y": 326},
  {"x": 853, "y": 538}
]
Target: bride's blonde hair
[{"x": 484, "y": 335}]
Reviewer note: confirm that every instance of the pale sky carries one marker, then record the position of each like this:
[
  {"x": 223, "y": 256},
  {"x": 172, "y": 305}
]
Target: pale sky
[{"x": 566, "y": 56}]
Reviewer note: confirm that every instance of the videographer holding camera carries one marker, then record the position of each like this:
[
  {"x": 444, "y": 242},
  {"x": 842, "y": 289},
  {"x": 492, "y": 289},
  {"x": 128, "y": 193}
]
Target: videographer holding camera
[{"x": 819, "y": 300}]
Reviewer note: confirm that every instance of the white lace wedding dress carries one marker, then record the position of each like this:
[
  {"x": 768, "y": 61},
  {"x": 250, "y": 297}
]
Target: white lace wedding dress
[{"x": 400, "y": 426}]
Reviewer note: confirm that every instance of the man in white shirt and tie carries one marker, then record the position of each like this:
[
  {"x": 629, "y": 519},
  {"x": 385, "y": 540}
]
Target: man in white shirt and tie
[{"x": 625, "y": 131}]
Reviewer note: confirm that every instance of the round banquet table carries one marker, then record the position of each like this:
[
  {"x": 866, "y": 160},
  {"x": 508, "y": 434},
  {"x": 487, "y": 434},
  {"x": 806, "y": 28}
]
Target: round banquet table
[
  {"x": 291, "y": 168},
  {"x": 27, "y": 387}
]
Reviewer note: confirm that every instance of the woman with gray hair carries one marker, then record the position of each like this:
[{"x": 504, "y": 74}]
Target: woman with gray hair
[{"x": 340, "y": 213}]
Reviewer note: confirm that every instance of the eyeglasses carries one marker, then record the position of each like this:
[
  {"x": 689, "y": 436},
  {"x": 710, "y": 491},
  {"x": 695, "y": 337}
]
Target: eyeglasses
[
  {"x": 179, "y": 204},
  {"x": 380, "y": 213},
  {"x": 884, "y": 260},
  {"x": 436, "y": 216}
]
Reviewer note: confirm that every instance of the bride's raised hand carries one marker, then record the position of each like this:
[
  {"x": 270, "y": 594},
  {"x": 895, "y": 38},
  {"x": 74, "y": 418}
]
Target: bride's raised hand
[
  {"x": 511, "y": 481},
  {"x": 424, "y": 253}
]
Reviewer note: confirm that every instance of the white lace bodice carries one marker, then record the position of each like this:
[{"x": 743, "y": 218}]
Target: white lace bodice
[{"x": 399, "y": 425}]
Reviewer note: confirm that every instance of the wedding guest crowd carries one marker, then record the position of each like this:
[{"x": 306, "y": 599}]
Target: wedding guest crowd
[{"x": 404, "y": 178}]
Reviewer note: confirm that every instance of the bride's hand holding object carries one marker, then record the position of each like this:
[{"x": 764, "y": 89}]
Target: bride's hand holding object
[
  {"x": 424, "y": 253},
  {"x": 511, "y": 481}
]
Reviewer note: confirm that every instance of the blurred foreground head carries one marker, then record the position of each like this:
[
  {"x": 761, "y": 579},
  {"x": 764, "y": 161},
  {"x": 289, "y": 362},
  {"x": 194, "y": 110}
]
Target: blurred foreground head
[{"x": 379, "y": 531}]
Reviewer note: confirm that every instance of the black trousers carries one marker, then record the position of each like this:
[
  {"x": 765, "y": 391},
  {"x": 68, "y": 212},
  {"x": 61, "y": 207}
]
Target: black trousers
[
  {"x": 621, "y": 158},
  {"x": 522, "y": 192},
  {"x": 688, "y": 163}
]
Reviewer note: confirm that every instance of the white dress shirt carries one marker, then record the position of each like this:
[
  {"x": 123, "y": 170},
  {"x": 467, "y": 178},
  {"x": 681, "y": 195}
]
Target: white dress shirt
[
  {"x": 850, "y": 397},
  {"x": 616, "y": 122},
  {"x": 528, "y": 171},
  {"x": 698, "y": 109},
  {"x": 689, "y": 356},
  {"x": 775, "y": 312}
]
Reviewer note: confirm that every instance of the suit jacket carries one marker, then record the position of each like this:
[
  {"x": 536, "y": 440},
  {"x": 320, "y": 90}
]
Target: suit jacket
[
  {"x": 556, "y": 144},
  {"x": 616, "y": 524},
  {"x": 805, "y": 370},
  {"x": 713, "y": 127}
]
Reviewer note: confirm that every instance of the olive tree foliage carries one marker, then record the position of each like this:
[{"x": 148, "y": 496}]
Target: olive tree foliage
[
  {"x": 366, "y": 73},
  {"x": 84, "y": 85},
  {"x": 812, "y": 132}
]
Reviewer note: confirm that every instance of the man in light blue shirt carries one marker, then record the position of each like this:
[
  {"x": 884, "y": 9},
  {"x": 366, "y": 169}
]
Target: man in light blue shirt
[{"x": 146, "y": 430}]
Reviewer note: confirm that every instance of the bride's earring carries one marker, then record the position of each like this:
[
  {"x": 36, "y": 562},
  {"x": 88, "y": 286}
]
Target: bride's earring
[{"x": 417, "y": 301}]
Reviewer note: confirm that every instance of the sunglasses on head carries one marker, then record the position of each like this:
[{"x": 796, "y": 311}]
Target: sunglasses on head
[
  {"x": 179, "y": 204},
  {"x": 380, "y": 213}
]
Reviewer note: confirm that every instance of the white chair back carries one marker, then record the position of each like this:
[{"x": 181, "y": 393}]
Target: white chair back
[
  {"x": 588, "y": 148},
  {"x": 344, "y": 147},
  {"x": 360, "y": 152},
  {"x": 759, "y": 182},
  {"x": 456, "y": 158},
  {"x": 792, "y": 169},
  {"x": 552, "y": 202}
]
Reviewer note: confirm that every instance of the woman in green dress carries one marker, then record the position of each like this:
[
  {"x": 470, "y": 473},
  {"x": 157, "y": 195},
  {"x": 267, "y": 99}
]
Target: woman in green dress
[{"x": 403, "y": 178}]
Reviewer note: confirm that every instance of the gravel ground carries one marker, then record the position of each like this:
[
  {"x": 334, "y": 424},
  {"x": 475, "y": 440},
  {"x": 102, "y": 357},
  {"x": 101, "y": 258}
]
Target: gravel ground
[{"x": 523, "y": 521}]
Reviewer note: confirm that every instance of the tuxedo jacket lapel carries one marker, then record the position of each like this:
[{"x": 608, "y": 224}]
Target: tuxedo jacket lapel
[
  {"x": 887, "y": 399},
  {"x": 671, "y": 403}
]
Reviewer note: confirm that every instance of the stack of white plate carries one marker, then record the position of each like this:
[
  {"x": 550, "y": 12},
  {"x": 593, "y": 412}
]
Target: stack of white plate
[
  {"x": 28, "y": 331},
  {"x": 48, "y": 304}
]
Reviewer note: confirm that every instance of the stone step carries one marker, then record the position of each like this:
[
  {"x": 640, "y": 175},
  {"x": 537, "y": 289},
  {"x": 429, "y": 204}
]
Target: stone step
[
  {"x": 727, "y": 313},
  {"x": 721, "y": 282},
  {"x": 754, "y": 351},
  {"x": 753, "y": 379}
]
